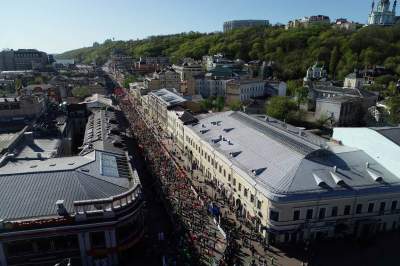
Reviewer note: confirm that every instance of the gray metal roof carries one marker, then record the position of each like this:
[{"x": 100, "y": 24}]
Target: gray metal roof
[
  {"x": 284, "y": 164},
  {"x": 104, "y": 131},
  {"x": 28, "y": 192},
  {"x": 392, "y": 133},
  {"x": 168, "y": 97}
]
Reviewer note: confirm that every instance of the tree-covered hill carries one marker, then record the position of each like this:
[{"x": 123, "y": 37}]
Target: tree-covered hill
[{"x": 292, "y": 50}]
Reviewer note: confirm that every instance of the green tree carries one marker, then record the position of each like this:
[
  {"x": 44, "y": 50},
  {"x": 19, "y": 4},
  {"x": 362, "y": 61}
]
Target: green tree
[
  {"x": 394, "y": 108},
  {"x": 301, "y": 94},
  {"x": 219, "y": 103},
  {"x": 292, "y": 86},
  {"x": 18, "y": 84},
  {"x": 129, "y": 79},
  {"x": 235, "y": 105},
  {"x": 81, "y": 92},
  {"x": 281, "y": 107}
]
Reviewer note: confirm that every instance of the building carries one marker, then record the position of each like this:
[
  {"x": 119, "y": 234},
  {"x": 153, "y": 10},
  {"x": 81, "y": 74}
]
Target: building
[
  {"x": 316, "y": 72},
  {"x": 237, "y": 24},
  {"x": 188, "y": 70},
  {"x": 354, "y": 81},
  {"x": 308, "y": 21},
  {"x": 159, "y": 102},
  {"x": 177, "y": 119},
  {"x": 342, "y": 106},
  {"x": 21, "y": 108},
  {"x": 244, "y": 90},
  {"x": 87, "y": 207},
  {"x": 383, "y": 14},
  {"x": 97, "y": 101},
  {"x": 213, "y": 61},
  {"x": 340, "y": 110},
  {"x": 22, "y": 59},
  {"x": 381, "y": 143},
  {"x": 166, "y": 78},
  {"x": 275, "y": 88},
  {"x": 210, "y": 86},
  {"x": 292, "y": 185},
  {"x": 344, "y": 24},
  {"x": 47, "y": 91},
  {"x": 159, "y": 60}
]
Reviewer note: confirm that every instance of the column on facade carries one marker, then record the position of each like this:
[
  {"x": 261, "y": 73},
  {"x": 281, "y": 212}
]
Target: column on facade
[
  {"x": 84, "y": 247},
  {"x": 3, "y": 260},
  {"x": 111, "y": 244}
]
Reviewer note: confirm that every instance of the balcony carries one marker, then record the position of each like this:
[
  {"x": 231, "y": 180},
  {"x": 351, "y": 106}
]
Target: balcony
[{"x": 109, "y": 207}]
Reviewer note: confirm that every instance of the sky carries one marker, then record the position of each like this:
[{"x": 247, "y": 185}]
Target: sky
[{"x": 55, "y": 26}]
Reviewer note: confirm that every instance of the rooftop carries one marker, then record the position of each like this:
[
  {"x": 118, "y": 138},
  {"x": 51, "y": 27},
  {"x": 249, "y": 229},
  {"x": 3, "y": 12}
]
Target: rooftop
[
  {"x": 286, "y": 163},
  {"x": 30, "y": 189},
  {"x": 168, "y": 97},
  {"x": 30, "y": 185}
]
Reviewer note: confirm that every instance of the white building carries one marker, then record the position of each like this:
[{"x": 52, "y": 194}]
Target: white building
[
  {"x": 382, "y": 13},
  {"x": 292, "y": 184},
  {"x": 316, "y": 72}
]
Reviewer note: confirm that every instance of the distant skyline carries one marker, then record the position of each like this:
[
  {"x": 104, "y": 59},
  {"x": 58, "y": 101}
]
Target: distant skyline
[{"x": 61, "y": 25}]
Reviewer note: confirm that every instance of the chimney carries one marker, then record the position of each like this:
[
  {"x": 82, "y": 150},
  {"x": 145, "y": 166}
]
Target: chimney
[
  {"x": 335, "y": 169},
  {"x": 61, "y": 210},
  {"x": 367, "y": 165},
  {"x": 29, "y": 136}
]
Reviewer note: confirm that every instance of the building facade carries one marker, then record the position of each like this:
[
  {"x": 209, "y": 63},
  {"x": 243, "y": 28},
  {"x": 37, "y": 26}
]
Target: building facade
[
  {"x": 244, "y": 90},
  {"x": 237, "y": 24},
  {"x": 167, "y": 78},
  {"x": 159, "y": 102},
  {"x": 22, "y": 59},
  {"x": 87, "y": 208},
  {"x": 294, "y": 186},
  {"x": 308, "y": 21},
  {"x": 383, "y": 14},
  {"x": 21, "y": 108}
]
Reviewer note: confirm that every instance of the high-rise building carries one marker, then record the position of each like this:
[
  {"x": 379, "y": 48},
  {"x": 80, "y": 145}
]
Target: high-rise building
[
  {"x": 382, "y": 13},
  {"x": 22, "y": 59}
]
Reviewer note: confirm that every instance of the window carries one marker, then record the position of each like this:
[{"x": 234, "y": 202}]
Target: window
[
  {"x": 334, "y": 211},
  {"x": 321, "y": 214},
  {"x": 245, "y": 192},
  {"x": 224, "y": 173},
  {"x": 371, "y": 207},
  {"x": 220, "y": 169},
  {"x": 309, "y": 214},
  {"x": 382, "y": 207},
  {"x": 259, "y": 203},
  {"x": 394, "y": 205},
  {"x": 274, "y": 215},
  {"x": 251, "y": 198},
  {"x": 296, "y": 215},
  {"x": 229, "y": 178},
  {"x": 234, "y": 181},
  {"x": 240, "y": 187},
  {"x": 347, "y": 209},
  {"x": 359, "y": 208}
]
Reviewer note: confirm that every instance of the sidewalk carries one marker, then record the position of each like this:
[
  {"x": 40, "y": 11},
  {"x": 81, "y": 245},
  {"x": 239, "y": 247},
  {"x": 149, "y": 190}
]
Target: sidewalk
[{"x": 251, "y": 251}]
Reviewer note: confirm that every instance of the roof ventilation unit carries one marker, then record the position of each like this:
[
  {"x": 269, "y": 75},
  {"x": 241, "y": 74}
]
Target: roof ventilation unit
[
  {"x": 235, "y": 154},
  {"x": 319, "y": 181},
  {"x": 338, "y": 180},
  {"x": 259, "y": 171}
]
